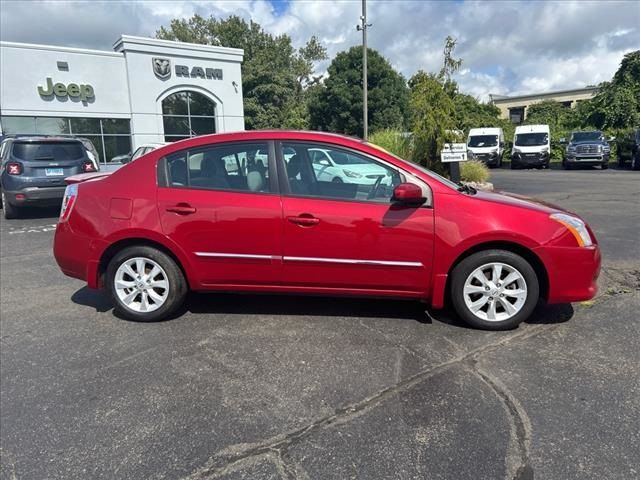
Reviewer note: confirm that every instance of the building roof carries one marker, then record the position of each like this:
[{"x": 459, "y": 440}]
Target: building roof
[{"x": 557, "y": 93}]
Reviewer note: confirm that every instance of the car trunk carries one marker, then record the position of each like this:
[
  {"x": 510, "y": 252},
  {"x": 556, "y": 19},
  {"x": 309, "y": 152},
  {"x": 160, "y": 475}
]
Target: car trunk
[{"x": 47, "y": 164}]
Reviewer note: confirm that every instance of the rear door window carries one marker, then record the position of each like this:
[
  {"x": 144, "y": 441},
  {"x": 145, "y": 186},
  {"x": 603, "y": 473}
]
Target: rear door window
[
  {"x": 48, "y": 151},
  {"x": 239, "y": 167}
]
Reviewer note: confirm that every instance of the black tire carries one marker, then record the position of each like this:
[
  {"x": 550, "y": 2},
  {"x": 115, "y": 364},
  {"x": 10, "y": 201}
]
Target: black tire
[
  {"x": 635, "y": 162},
  {"x": 514, "y": 165},
  {"x": 10, "y": 211},
  {"x": 337, "y": 180},
  {"x": 466, "y": 267},
  {"x": 177, "y": 284},
  {"x": 605, "y": 166}
]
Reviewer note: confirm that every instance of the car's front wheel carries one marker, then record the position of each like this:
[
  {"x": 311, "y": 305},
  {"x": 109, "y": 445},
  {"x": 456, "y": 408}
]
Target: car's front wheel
[
  {"x": 494, "y": 289},
  {"x": 145, "y": 284}
]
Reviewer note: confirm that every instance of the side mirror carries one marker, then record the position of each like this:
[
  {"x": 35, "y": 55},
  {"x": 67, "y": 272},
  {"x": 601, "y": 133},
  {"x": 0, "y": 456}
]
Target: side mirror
[
  {"x": 563, "y": 141},
  {"x": 408, "y": 194},
  {"x": 126, "y": 159}
]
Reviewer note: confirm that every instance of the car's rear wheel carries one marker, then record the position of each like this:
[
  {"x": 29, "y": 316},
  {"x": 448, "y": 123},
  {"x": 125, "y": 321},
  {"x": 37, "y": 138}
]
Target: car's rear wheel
[
  {"x": 635, "y": 162},
  {"x": 494, "y": 289},
  {"x": 145, "y": 284},
  {"x": 10, "y": 211}
]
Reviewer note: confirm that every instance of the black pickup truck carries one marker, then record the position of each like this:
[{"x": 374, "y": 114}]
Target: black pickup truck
[
  {"x": 628, "y": 147},
  {"x": 586, "y": 149}
]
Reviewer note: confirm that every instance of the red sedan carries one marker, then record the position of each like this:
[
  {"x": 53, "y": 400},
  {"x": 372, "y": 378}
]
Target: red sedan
[{"x": 257, "y": 212}]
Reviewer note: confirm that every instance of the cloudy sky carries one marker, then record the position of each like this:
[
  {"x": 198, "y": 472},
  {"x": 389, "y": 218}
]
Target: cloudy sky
[{"x": 508, "y": 47}]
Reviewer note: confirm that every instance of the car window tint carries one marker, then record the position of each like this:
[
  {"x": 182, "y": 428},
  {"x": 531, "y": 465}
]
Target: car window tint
[
  {"x": 240, "y": 167},
  {"x": 347, "y": 176},
  {"x": 58, "y": 151}
]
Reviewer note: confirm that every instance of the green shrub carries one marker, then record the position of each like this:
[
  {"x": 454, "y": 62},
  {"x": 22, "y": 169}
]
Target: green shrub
[
  {"x": 393, "y": 141},
  {"x": 474, "y": 171}
]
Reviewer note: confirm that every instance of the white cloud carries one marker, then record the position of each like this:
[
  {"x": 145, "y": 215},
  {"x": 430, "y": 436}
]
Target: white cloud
[{"x": 508, "y": 47}]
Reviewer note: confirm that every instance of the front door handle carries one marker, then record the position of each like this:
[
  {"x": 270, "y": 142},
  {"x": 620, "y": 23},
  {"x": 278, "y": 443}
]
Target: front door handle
[
  {"x": 181, "y": 209},
  {"x": 304, "y": 220}
]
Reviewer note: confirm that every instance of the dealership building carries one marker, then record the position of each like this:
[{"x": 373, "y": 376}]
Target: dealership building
[{"x": 145, "y": 91}]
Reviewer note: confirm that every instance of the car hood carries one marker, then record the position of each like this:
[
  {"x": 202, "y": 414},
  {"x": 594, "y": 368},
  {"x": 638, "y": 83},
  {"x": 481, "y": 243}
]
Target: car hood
[{"x": 514, "y": 200}]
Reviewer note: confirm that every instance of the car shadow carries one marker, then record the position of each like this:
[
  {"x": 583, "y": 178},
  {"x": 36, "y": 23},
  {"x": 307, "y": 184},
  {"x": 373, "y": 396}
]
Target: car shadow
[
  {"x": 254, "y": 304},
  {"x": 302, "y": 305}
]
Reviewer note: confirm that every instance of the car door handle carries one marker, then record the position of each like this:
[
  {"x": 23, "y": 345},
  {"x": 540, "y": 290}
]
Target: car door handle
[
  {"x": 304, "y": 220},
  {"x": 182, "y": 209}
]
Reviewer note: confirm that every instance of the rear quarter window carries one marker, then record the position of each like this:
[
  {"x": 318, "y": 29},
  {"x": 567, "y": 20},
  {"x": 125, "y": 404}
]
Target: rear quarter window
[{"x": 48, "y": 151}]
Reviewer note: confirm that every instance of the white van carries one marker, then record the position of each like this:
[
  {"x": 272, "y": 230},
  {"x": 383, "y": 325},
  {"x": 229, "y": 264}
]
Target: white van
[
  {"x": 531, "y": 147},
  {"x": 487, "y": 145}
]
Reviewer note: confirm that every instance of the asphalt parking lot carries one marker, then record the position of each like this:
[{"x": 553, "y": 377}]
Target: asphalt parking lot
[{"x": 265, "y": 387}]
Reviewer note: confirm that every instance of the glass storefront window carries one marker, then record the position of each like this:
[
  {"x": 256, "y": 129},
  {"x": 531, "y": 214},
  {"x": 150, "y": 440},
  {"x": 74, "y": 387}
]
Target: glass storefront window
[
  {"x": 52, "y": 126},
  {"x": 115, "y": 126},
  {"x": 17, "y": 125},
  {"x": 115, "y": 145},
  {"x": 187, "y": 114},
  {"x": 85, "y": 125}
]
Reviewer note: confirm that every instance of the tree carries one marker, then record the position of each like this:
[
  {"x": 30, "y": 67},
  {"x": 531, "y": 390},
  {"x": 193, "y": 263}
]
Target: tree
[
  {"x": 337, "y": 105},
  {"x": 432, "y": 117},
  {"x": 617, "y": 103},
  {"x": 275, "y": 77}
]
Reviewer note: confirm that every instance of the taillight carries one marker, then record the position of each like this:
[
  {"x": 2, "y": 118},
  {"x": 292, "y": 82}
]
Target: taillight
[
  {"x": 70, "y": 195},
  {"x": 14, "y": 168},
  {"x": 88, "y": 167}
]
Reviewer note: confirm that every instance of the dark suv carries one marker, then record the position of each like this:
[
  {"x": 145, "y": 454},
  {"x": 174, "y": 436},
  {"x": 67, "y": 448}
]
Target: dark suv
[
  {"x": 33, "y": 170},
  {"x": 629, "y": 149},
  {"x": 586, "y": 149}
]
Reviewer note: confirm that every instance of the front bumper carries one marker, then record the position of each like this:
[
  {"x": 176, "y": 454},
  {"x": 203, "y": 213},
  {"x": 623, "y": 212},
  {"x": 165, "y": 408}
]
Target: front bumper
[
  {"x": 572, "y": 271},
  {"x": 491, "y": 159},
  {"x": 587, "y": 159},
  {"x": 530, "y": 159},
  {"x": 36, "y": 195}
]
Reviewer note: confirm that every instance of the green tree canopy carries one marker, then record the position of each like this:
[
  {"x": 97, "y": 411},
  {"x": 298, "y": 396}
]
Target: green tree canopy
[
  {"x": 275, "y": 76},
  {"x": 337, "y": 105}
]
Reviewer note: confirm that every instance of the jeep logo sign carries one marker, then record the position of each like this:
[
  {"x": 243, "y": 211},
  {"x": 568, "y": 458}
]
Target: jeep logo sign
[{"x": 73, "y": 90}]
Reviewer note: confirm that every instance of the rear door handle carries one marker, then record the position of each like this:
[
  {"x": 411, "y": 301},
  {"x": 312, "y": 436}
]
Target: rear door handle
[
  {"x": 304, "y": 220},
  {"x": 182, "y": 209}
]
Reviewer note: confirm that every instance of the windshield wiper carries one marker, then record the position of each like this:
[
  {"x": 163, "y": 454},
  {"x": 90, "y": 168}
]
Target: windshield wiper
[{"x": 464, "y": 188}]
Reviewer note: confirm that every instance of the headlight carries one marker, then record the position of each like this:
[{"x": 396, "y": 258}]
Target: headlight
[
  {"x": 576, "y": 226},
  {"x": 571, "y": 148},
  {"x": 470, "y": 154},
  {"x": 352, "y": 174},
  {"x": 515, "y": 150}
]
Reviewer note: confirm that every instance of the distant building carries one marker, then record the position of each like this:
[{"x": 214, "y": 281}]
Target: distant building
[{"x": 515, "y": 108}]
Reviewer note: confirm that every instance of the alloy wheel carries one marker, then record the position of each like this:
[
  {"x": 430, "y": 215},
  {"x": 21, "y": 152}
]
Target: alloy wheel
[
  {"x": 495, "y": 292},
  {"x": 141, "y": 284}
]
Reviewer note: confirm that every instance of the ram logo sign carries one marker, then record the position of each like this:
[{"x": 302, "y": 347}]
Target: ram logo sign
[{"x": 161, "y": 67}]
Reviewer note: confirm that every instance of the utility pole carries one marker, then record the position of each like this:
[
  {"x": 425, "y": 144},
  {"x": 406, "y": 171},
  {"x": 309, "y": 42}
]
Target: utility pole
[{"x": 363, "y": 27}]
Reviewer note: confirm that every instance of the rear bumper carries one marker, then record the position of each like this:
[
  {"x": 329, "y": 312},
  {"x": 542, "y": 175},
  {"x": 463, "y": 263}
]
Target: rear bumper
[
  {"x": 36, "y": 195},
  {"x": 573, "y": 272},
  {"x": 76, "y": 255}
]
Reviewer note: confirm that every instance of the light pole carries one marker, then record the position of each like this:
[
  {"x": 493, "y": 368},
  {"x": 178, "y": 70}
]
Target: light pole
[{"x": 363, "y": 27}]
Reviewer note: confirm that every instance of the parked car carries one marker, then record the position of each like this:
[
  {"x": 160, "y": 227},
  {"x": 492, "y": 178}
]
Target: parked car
[
  {"x": 162, "y": 225},
  {"x": 339, "y": 167},
  {"x": 138, "y": 152},
  {"x": 531, "y": 147},
  {"x": 628, "y": 147},
  {"x": 586, "y": 149},
  {"x": 33, "y": 170},
  {"x": 486, "y": 145}
]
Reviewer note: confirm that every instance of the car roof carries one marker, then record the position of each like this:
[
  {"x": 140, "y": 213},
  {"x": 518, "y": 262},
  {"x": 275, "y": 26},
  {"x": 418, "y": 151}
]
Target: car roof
[{"x": 44, "y": 138}]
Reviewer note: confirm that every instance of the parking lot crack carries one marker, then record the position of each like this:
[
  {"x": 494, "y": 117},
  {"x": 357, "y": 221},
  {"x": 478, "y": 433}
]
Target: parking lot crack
[
  {"x": 518, "y": 452},
  {"x": 224, "y": 459}
]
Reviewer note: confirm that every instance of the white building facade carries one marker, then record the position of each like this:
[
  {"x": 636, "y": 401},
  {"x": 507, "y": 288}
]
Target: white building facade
[{"x": 145, "y": 91}]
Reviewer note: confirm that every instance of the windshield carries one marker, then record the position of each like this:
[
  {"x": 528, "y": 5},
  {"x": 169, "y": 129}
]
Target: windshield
[
  {"x": 531, "y": 139},
  {"x": 586, "y": 136},
  {"x": 342, "y": 158},
  {"x": 483, "y": 141},
  {"x": 58, "y": 151}
]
